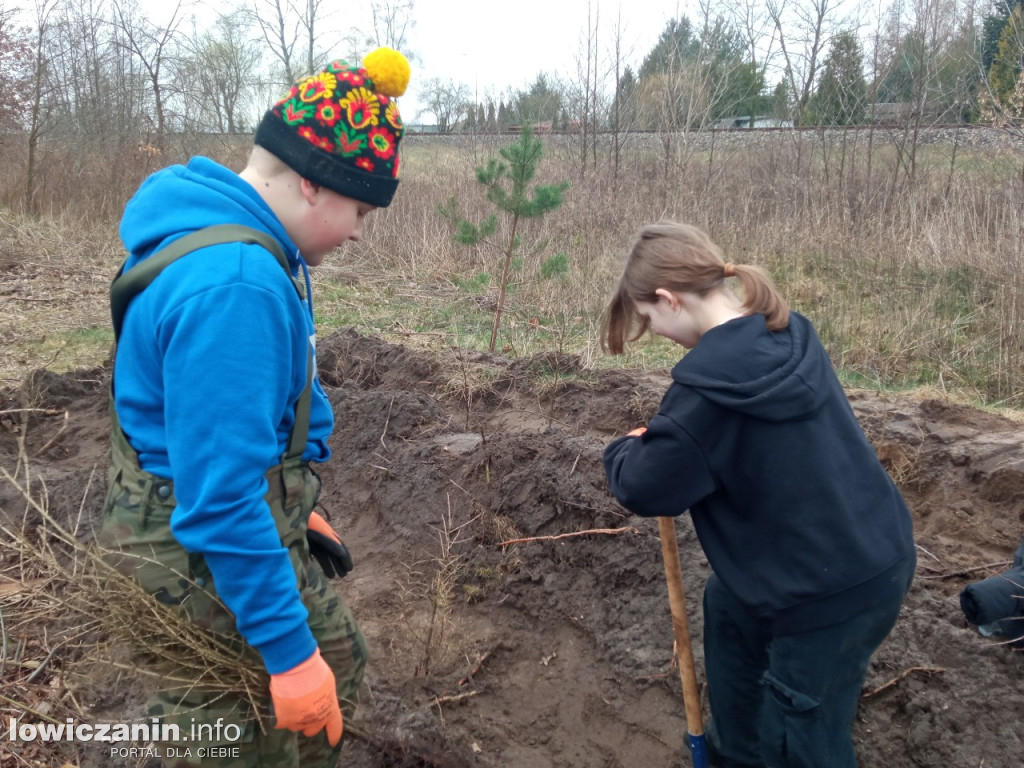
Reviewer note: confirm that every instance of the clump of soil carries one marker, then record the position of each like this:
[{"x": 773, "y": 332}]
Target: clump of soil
[{"x": 557, "y": 650}]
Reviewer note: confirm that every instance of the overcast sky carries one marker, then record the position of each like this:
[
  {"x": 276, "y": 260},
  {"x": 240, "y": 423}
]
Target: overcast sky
[
  {"x": 489, "y": 46},
  {"x": 495, "y": 46}
]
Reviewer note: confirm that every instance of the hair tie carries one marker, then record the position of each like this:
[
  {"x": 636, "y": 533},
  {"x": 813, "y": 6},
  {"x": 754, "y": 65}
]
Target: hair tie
[{"x": 729, "y": 269}]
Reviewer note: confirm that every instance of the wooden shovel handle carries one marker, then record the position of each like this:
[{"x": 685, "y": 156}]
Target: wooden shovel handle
[{"x": 680, "y": 625}]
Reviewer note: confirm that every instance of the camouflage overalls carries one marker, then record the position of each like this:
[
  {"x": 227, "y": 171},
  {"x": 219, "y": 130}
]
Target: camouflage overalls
[{"x": 136, "y": 530}]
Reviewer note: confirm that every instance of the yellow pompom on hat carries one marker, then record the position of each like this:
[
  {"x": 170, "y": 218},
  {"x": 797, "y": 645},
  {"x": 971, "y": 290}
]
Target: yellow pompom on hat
[
  {"x": 340, "y": 128},
  {"x": 389, "y": 70}
]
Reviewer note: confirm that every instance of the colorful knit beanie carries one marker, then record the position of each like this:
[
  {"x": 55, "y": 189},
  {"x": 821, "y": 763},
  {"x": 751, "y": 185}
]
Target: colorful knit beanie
[{"x": 340, "y": 128}]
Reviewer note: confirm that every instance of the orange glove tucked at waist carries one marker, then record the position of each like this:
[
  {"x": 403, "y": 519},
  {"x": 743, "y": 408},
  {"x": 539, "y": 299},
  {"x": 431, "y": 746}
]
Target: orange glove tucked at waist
[{"x": 305, "y": 699}]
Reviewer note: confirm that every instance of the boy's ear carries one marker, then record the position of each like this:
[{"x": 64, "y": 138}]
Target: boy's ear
[{"x": 309, "y": 190}]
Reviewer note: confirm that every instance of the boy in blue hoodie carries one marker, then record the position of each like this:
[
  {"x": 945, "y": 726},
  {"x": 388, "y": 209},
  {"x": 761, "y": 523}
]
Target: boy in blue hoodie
[
  {"x": 809, "y": 541},
  {"x": 218, "y": 413}
]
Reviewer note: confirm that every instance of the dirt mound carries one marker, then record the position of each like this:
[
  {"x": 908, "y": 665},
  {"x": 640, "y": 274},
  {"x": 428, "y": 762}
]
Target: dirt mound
[{"x": 557, "y": 651}]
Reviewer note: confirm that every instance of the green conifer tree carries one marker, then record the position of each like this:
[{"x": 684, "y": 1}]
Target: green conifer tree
[
  {"x": 842, "y": 92},
  {"x": 1009, "y": 59},
  {"x": 507, "y": 182}
]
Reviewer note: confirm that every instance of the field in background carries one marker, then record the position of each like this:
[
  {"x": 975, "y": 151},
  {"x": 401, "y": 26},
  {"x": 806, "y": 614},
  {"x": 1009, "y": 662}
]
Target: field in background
[{"x": 907, "y": 256}]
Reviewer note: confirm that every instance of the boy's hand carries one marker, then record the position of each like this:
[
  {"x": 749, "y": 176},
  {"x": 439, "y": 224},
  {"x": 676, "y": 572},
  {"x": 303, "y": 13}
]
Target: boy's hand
[
  {"x": 327, "y": 547},
  {"x": 636, "y": 432},
  {"x": 306, "y": 700}
]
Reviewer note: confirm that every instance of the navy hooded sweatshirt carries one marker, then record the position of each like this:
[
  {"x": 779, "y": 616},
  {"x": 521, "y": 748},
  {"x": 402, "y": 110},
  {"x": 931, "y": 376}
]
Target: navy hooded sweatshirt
[{"x": 755, "y": 436}]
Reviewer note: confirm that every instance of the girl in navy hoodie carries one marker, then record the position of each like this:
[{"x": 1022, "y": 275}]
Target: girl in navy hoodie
[{"x": 809, "y": 541}]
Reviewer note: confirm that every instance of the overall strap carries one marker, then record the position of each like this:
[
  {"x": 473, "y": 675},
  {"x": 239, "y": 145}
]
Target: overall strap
[
  {"x": 127, "y": 285},
  {"x": 300, "y": 429}
]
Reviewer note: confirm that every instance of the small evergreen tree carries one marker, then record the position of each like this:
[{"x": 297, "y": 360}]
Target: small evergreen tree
[
  {"x": 1009, "y": 59},
  {"x": 508, "y": 190},
  {"x": 842, "y": 92},
  {"x": 540, "y": 104},
  {"x": 780, "y": 102},
  {"x": 900, "y": 81}
]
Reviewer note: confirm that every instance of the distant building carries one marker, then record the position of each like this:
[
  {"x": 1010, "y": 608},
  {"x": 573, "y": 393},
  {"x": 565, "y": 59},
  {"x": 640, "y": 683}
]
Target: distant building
[
  {"x": 746, "y": 121},
  {"x": 902, "y": 112}
]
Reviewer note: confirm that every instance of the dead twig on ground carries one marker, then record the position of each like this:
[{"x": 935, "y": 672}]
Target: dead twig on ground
[
  {"x": 476, "y": 668},
  {"x": 658, "y": 675},
  {"x": 387, "y": 423},
  {"x": 590, "y": 531},
  {"x": 1000, "y": 565},
  {"x": 454, "y": 697},
  {"x": 42, "y": 664},
  {"x": 576, "y": 462},
  {"x": 46, "y": 411},
  {"x": 53, "y": 439},
  {"x": 904, "y": 674}
]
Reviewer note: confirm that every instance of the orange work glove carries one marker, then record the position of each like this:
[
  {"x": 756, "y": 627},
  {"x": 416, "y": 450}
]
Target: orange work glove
[
  {"x": 327, "y": 547},
  {"x": 636, "y": 432},
  {"x": 305, "y": 699}
]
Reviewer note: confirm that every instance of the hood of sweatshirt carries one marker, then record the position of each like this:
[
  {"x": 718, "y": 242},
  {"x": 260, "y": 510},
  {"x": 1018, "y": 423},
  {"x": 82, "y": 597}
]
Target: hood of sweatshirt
[
  {"x": 771, "y": 375},
  {"x": 184, "y": 198}
]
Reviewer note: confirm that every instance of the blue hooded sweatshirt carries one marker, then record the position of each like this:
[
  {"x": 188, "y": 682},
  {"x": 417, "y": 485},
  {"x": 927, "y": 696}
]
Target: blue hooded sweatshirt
[
  {"x": 211, "y": 360},
  {"x": 793, "y": 509}
]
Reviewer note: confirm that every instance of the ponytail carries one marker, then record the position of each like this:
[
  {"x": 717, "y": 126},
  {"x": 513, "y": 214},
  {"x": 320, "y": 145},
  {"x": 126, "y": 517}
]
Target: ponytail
[
  {"x": 760, "y": 296},
  {"x": 621, "y": 322}
]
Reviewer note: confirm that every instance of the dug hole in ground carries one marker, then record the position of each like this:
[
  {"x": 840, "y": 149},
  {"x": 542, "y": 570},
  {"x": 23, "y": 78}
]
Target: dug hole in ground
[{"x": 558, "y": 651}]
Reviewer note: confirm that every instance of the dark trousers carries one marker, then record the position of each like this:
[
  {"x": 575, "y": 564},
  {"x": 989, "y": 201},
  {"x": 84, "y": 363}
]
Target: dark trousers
[{"x": 787, "y": 700}]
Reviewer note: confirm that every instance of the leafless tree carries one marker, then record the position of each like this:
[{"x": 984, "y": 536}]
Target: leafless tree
[
  {"x": 280, "y": 32},
  {"x": 37, "y": 118},
  {"x": 616, "y": 117},
  {"x": 921, "y": 51},
  {"x": 152, "y": 44},
  {"x": 753, "y": 20},
  {"x": 309, "y": 20},
  {"x": 586, "y": 112},
  {"x": 93, "y": 76},
  {"x": 804, "y": 30},
  {"x": 447, "y": 101},
  {"x": 291, "y": 29},
  {"x": 392, "y": 21},
  {"x": 221, "y": 65}
]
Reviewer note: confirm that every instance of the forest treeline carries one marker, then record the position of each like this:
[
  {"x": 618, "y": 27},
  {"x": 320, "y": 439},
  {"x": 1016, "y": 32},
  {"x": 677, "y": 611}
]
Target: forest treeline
[{"x": 110, "y": 81}]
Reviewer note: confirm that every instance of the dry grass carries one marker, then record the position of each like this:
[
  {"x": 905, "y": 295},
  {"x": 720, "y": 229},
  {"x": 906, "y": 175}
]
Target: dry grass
[
  {"x": 912, "y": 280},
  {"x": 47, "y": 572},
  {"x": 54, "y": 276},
  {"x": 428, "y": 593}
]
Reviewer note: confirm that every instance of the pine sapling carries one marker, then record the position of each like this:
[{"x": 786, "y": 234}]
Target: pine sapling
[{"x": 507, "y": 182}]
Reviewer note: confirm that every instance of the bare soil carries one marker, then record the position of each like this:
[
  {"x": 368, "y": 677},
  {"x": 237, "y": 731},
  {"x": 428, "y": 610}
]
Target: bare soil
[{"x": 556, "y": 651}]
